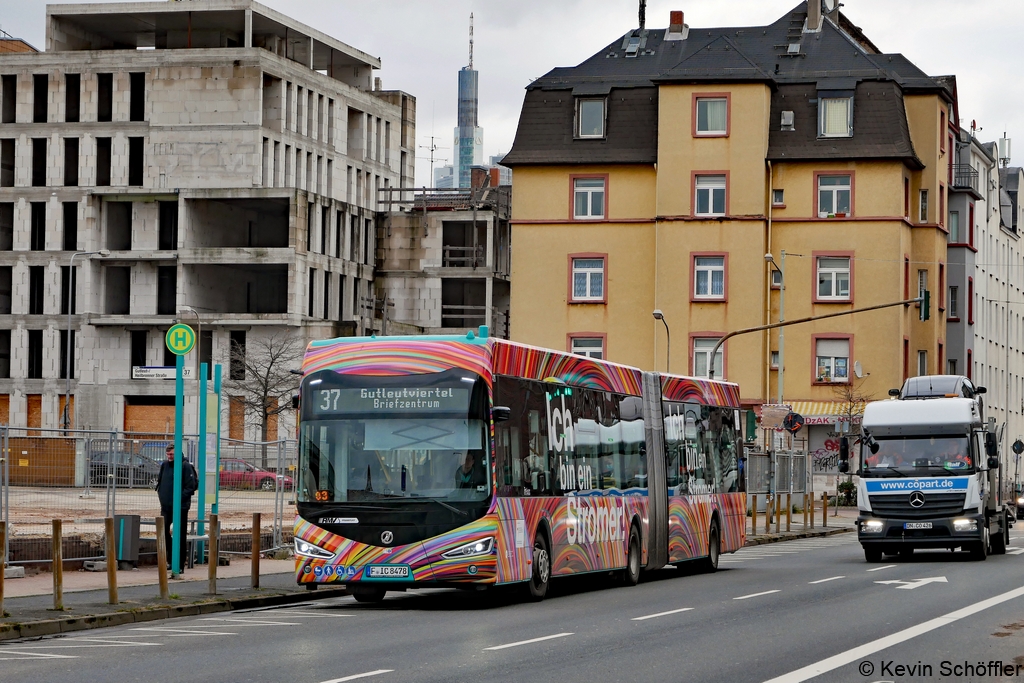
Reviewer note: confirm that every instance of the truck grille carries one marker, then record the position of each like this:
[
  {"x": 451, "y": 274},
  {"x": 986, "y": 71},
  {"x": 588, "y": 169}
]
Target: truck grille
[{"x": 935, "y": 505}]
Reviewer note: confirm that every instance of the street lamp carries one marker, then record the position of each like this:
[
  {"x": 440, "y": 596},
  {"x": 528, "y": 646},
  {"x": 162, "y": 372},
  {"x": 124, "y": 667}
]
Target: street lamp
[
  {"x": 67, "y": 362},
  {"x": 658, "y": 315},
  {"x": 781, "y": 267}
]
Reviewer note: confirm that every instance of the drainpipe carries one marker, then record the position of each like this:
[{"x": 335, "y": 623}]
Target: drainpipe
[{"x": 768, "y": 292}]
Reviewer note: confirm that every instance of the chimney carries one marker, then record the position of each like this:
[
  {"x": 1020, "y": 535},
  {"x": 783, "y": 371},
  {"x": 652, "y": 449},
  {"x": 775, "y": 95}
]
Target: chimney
[
  {"x": 377, "y": 85},
  {"x": 677, "y": 30},
  {"x": 813, "y": 15},
  {"x": 479, "y": 177}
]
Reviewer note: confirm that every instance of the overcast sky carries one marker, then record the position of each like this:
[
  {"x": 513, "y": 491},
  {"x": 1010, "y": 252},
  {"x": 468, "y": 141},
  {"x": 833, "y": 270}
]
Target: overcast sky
[{"x": 423, "y": 43}]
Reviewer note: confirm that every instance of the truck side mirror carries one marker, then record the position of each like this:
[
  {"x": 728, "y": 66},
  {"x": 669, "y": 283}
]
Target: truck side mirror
[
  {"x": 295, "y": 401},
  {"x": 501, "y": 413},
  {"x": 844, "y": 455},
  {"x": 993, "y": 462},
  {"x": 990, "y": 445}
]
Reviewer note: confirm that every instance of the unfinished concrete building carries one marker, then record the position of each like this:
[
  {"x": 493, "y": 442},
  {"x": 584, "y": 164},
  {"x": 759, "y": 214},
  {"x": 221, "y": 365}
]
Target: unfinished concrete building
[
  {"x": 443, "y": 258},
  {"x": 223, "y": 157}
]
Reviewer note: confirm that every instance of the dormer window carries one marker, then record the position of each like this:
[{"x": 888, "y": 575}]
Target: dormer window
[
  {"x": 835, "y": 117},
  {"x": 590, "y": 118}
]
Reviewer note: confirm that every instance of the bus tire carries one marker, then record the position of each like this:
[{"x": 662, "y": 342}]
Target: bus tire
[
  {"x": 714, "y": 548},
  {"x": 368, "y": 594},
  {"x": 631, "y": 574},
  {"x": 872, "y": 553},
  {"x": 541, "y": 574}
]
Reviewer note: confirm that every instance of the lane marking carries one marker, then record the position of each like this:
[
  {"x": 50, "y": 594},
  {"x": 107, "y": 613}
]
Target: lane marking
[
  {"x": 831, "y": 578},
  {"x": 867, "y": 649},
  {"x": 527, "y": 642},
  {"x": 754, "y": 595},
  {"x": 353, "y": 677},
  {"x": 878, "y": 569},
  {"x": 182, "y": 631},
  {"x": 36, "y": 655},
  {"x": 252, "y": 622},
  {"x": 1017, "y": 551},
  {"x": 662, "y": 614}
]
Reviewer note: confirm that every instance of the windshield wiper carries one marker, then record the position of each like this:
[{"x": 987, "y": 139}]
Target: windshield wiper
[
  {"x": 336, "y": 511},
  {"x": 441, "y": 503}
]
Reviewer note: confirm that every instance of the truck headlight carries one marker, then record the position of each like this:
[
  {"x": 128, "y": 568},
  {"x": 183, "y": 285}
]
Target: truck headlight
[
  {"x": 872, "y": 526},
  {"x": 1020, "y": 501},
  {"x": 481, "y": 547},
  {"x": 965, "y": 525},
  {"x": 307, "y": 549}
]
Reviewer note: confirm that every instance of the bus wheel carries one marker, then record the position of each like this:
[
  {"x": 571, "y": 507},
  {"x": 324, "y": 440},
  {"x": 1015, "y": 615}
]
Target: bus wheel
[
  {"x": 370, "y": 594},
  {"x": 714, "y": 549},
  {"x": 538, "y": 584},
  {"x": 631, "y": 574}
]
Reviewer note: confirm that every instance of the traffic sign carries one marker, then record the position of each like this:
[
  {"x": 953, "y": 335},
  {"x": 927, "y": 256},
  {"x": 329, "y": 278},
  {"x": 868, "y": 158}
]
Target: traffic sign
[
  {"x": 1018, "y": 446},
  {"x": 180, "y": 339},
  {"x": 793, "y": 423}
]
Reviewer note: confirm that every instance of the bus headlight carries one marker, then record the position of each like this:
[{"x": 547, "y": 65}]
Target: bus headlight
[
  {"x": 480, "y": 547},
  {"x": 965, "y": 525},
  {"x": 872, "y": 526},
  {"x": 307, "y": 549},
  {"x": 1020, "y": 501}
]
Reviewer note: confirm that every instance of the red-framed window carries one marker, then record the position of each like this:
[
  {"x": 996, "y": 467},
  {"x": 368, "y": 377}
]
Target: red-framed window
[
  {"x": 906, "y": 277},
  {"x": 712, "y": 114},
  {"x": 834, "y": 194},
  {"x": 833, "y": 277},
  {"x": 942, "y": 290},
  {"x": 831, "y": 363},
  {"x": 942, "y": 204},
  {"x": 970, "y": 224},
  {"x": 588, "y": 278},
  {"x": 588, "y": 197},
  {"x": 942, "y": 131},
  {"x": 906, "y": 198},
  {"x": 970, "y": 301},
  {"x": 938, "y": 363},
  {"x": 906, "y": 358},
  {"x": 590, "y": 344},
  {"x": 970, "y": 363},
  {"x": 710, "y": 281}
]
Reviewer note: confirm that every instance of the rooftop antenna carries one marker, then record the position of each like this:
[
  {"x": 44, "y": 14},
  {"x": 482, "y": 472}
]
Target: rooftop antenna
[
  {"x": 643, "y": 14},
  {"x": 471, "y": 41}
]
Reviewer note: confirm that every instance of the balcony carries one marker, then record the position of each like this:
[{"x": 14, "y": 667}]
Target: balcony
[
  {"x": 965, "y": 177},
  {"x": 463, "y": 257}
]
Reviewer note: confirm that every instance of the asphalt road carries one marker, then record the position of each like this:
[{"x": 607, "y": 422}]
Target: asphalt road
[{"x": 800, "y": 610}]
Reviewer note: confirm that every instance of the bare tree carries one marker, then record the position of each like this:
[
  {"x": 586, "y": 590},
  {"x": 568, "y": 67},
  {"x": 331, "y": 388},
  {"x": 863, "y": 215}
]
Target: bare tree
[
  {"x": 261, "y": 375},
  {"x": 852, "y": 399}
]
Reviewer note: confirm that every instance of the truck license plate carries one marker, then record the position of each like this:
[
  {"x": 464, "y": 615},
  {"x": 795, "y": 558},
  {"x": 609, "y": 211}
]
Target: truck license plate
[
  {"x": 387, "y": 571},
  {"x": 917, "y": 525}
]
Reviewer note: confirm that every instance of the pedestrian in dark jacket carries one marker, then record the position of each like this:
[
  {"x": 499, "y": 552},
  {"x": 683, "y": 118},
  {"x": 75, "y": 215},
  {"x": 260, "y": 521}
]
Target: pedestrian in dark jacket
[{"x": 165, "y": 492}]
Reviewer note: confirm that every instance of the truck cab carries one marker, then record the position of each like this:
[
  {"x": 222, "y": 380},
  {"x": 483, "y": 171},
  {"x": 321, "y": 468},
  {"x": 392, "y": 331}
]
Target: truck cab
[{"x": 929, "y": 473}]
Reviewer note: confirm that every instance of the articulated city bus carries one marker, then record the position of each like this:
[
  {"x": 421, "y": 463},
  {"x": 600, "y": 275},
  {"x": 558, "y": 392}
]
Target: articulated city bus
[{"x": 469, "y": 461}]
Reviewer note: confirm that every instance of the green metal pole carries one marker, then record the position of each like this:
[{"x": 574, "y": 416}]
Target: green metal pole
[
  {"x": 201, "y": 513},
  {"x": 179, "y": 410},
  {"x": 216, "y": 485}
]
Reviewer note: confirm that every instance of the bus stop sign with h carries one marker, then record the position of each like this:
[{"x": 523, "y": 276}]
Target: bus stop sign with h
[{"x": 180, "y": 339}]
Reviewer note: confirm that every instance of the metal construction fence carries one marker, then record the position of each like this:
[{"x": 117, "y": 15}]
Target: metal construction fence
[
  {"x": 83, "y": 476},
  {"x": 779, "y": 472}
]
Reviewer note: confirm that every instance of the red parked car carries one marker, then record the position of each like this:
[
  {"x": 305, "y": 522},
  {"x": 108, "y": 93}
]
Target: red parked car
[{"x": 238, "y": 474}]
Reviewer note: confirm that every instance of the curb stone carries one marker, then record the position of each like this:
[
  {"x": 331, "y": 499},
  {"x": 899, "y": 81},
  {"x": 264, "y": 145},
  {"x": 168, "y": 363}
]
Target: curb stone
[
  {"x": 792, "y": 536},
  {"x": 49, "y": 627}
]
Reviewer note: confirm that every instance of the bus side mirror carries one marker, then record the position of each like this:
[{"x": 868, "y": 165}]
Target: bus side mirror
[
  {"x": 844, "y": 455},
  {"x": 501, "y": 413}
]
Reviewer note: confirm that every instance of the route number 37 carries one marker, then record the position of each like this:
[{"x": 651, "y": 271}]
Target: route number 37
[{"x": 329, "y": 399}]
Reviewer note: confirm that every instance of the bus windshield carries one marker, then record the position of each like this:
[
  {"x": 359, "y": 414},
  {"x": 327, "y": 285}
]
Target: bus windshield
[
  {"x": 919, "y": 457},
  {"x": 393, "y": 438}
]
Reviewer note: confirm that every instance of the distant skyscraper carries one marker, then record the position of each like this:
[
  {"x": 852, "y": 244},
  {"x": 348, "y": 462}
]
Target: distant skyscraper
[
  {"x": 469, "y": 137},
  {"x": 444, "y": 177},
  {"x": 504, "y": 172}
]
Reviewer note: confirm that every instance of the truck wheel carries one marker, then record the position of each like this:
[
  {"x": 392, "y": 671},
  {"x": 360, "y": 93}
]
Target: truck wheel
[
  {"x": 906, "y": 552},
  {"x": 872, "y": 553},
  {"x": 1001, "y": 540},
  {"x": 979, "y": 551}
]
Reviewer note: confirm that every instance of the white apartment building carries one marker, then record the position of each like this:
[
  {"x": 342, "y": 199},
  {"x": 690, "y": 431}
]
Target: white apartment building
[{"x": 223, "y": 157}]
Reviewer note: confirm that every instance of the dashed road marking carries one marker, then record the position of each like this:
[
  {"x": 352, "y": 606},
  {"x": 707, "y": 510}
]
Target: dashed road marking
[
  {"x": 884, "y": 566},
  {"x": 755, "y": 595},
  {"x": 831, "y": 578},
  {"x": 527, "y": 642},
  {"x": 353, "y": 677},
  {"x": 662, "y": 614}
]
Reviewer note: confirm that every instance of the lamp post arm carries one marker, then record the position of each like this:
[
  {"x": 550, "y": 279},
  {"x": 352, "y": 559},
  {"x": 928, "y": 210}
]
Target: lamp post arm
[{"x": 761, "y": 328}]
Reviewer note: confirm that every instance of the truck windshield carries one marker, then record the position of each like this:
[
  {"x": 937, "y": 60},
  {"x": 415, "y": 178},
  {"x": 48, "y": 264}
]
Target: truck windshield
[
  {"x": 385, "y": 439},
  {"x": 918, "y": 457}
]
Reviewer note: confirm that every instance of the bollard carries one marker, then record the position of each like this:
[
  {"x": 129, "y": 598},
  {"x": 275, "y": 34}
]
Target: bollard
[
  {"x": 58, "y": 567},
  {"x": 255, "y": 579},
  {"x": 824, "y": 509},
  {"x": 108, "y": 523},
  {"x": 803, "y": 506},
  {"x": 767, "y": 513},
  {"x": 161, "y": 558},
  {"x": 753, "y": 515},
  {"x": 214, "y": 559},
  {"x": 789, "y": 510},
  {"x": 778, "y": 512},
  {"x": 3, "y": 565}
]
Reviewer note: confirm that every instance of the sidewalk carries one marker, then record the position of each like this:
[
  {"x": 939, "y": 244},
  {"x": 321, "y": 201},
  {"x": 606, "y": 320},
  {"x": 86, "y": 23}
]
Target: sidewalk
[
  {"x": 29, "y": 601},
  {"x": 843, "y": 522}
]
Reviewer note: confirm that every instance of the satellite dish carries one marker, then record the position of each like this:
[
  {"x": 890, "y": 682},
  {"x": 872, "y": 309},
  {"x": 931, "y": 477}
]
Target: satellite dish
[
  {"x": 830, "y": 5},
  {"x": 857, "y": 369}
]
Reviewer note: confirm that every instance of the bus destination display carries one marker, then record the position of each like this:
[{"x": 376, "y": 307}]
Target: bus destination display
[{"x": 391, "y": 400}]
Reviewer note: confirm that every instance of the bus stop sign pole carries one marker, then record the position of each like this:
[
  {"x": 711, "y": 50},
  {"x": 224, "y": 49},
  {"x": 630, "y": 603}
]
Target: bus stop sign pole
[{"x": 179, "y": 340}]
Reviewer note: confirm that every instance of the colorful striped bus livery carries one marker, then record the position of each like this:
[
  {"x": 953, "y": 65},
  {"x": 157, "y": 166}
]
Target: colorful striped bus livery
[{"x": 467, "y": 460}]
